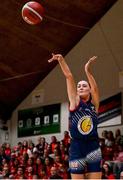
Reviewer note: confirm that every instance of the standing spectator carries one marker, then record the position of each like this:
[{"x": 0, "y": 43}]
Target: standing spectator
[
  {"x": 30, "y": 149},
  {"x": 117, "y": 136},
  {"x": 111, "y": 139},
  {"x": 66, "y": 139},
  {"x": 24, "y": 146},
  {"x": 54, "y": 143},
  {"x": 105, "y": 136},
  {"x": 40, "y": 146},
  {"x": 2, "y": 155},
  {"x": 19, "y": 147},
  {"x": 8, "y": 151}
]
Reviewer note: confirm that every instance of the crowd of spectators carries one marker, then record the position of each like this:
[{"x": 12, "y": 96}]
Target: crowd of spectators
[
  {"x": 112, "y": 153},
  {"x": 42, "y": 160},
  {"x": 36, "y": 161}
]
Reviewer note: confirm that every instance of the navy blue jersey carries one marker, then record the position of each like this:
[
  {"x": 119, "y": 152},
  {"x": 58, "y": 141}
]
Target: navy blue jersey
[{"x": 83, "y": 121}]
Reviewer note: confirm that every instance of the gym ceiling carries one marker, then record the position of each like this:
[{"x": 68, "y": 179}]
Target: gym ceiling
[{"x": 25, "y": 49}]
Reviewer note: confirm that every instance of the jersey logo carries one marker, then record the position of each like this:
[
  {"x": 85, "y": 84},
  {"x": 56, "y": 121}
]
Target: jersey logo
[
  {"x": 85, "y": 125},
  {"x": 74, "y": 164}
]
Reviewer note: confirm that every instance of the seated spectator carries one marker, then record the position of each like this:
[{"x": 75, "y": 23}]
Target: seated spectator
[
  {"x": 55, "y": 153},
  {"x": 48, "y": 163},
  {"x": 35, "y": 155},
  {"x": 5, "y": 172},
  {"x": 23, "y": 159},
  {"x": 29, "y": 173},
  {"x": 20, "y": 173},
  {"x": 120, "y": 154},
  {"x": 42, "y": 174},
  {"x": 4, "y": 163},
  {"x": 58, "y": 161},
  {"x": 13, "y": 172},
  {"x": 63, "y": 150},
  {"x": 108, "y": 153},
  {"x": 30, "y": 162},
  {"x": 107, "y": 171},
  {"x": 15, "y": 163},
  {"x": 102, "y": 146},
  {"x": 38, "y": 164},
  {"x": 63, "y": 172},
  {"x": 35, "y": 176},
  {"x": 46, "y": 154},
  {"x": 66, "y": 160},
  {"x": 54, "y": 173},
  {"x": 118, "y": 162},
  {"x": 121, "y": 175}
]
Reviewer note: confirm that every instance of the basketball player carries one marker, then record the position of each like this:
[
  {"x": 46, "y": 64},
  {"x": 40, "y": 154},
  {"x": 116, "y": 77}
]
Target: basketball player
[{"x": 85, "y": 154}]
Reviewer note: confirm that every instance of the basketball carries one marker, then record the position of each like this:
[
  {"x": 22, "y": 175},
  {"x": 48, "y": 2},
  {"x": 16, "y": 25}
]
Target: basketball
[{"x": 32, "y": 12}]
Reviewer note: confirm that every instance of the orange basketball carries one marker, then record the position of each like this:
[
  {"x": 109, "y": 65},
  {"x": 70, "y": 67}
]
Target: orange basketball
[{"x": 32, "y": 12}]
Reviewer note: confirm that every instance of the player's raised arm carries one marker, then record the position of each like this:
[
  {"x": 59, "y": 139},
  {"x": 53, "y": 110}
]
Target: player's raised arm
[
  {"x": 92, "y": 82},
  {"x": 71, "y": 87}
]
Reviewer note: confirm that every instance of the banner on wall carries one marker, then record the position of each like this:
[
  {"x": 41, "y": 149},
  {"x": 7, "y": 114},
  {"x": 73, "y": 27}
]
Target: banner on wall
[
  {"x": 110, "y": 108},
  {"x": 40, "y": 120}
]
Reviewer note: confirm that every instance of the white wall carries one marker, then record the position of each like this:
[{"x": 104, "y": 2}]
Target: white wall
[
  {"x": 4, "y": 134},
  {"x": 102, "y": 40}
]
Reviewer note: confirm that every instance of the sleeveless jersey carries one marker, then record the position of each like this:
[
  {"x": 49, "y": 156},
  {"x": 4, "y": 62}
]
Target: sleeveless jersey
[{"x": 83, "y": 121}]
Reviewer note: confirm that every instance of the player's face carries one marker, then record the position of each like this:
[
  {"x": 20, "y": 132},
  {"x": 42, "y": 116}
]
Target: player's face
[{"x": 83, "y": 89}]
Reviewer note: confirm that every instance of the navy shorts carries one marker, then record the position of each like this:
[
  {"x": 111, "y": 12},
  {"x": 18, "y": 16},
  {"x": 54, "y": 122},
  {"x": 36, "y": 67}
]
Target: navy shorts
[{"x": 84, "y": 156}]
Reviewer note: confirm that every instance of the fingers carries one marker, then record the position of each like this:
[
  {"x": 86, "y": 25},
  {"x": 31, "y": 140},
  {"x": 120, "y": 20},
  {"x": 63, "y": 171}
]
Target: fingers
[
  {"x": 50, "y": 60},
  {"x": 56, "y": 57},
  {"x": 94, "y": 57}
]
